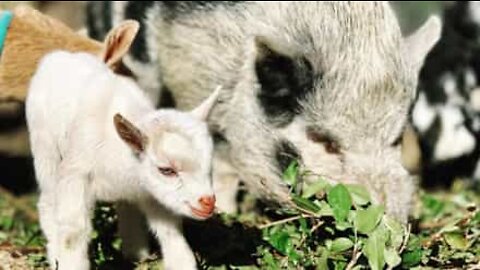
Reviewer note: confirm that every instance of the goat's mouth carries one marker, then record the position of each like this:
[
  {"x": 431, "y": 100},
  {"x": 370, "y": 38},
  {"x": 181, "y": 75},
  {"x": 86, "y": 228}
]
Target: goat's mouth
[{"x": 201, "y": 213}]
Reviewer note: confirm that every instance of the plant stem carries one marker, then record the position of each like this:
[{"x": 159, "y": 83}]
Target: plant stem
[
  {"x": 355, "y": 257},
  {"x": 278, "y": 222},
  {"x": 405, "y": 240}
]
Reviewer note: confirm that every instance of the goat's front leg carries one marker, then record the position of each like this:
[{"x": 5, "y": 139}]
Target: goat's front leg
[
  {"x": 47, "y": 210},
  {"x": 73, "y": 217},
  {"x": 168, "y": 230}
]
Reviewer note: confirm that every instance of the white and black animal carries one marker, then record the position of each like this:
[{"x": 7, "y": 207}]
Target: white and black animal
[
  {"x": 326, "y": 83},
  {"x": 446, "y": 113},
  {"x": 96, "y": 136}
]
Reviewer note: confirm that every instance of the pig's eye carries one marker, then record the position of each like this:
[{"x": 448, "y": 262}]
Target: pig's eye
[
  {"x": 397, "y": 141},
  {"x": 169, "y": 172},
  {"x": 331, "y": 146}
]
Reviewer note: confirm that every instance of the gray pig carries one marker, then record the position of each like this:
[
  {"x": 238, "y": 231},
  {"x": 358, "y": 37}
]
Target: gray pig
[{"x": 327, "y": 83}]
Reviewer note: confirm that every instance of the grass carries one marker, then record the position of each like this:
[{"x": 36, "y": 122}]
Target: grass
[{"x": 333, "y": 227}]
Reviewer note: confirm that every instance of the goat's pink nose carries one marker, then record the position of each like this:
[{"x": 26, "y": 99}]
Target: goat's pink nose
[{"x": 207, "y": 203}]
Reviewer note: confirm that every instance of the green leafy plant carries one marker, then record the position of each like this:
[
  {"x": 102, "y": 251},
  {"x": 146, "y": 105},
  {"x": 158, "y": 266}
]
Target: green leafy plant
[
  {"x": 336, "y": 226},
  {"x": 332, "y": 226}
]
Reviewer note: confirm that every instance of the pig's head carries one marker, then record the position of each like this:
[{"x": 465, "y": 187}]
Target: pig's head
[
  {"x": 332, "y": 91},
  {"x": 173, "y": 152}
]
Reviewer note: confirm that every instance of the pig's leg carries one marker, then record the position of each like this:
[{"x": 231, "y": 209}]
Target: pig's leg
[
  {"x": 168, "y": 230},
  {"x": 225, "y": 185},
  {"x": 132, "y": 231},
  {"x": 74, "y": 205}
]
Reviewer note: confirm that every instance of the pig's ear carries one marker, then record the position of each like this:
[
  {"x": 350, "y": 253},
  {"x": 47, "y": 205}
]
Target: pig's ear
[
  {"x": 284, "y": 79},
  {"x": 118, "y": 42},
  {"x": 419, "y": 44},
  {"x": 203, "y": 110},
  {"x": 130, "y": 134}
]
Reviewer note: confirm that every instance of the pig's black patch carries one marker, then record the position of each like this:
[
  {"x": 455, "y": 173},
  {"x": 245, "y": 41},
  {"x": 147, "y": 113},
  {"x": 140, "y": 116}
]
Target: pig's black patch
[
  {"x": 285, "y": 154},
  {"x": 137, "y": 10},
  {"x": 285, "y": 82},
  {"x": 166, "y": 99},
  {"x": 99, "y": 19}
]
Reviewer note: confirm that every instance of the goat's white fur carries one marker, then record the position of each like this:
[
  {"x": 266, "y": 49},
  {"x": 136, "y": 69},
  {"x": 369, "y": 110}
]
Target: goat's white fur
[{"x": 80, "y": 158}]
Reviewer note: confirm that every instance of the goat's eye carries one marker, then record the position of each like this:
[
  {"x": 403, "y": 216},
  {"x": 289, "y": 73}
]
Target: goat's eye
[
  {"x": 331, "y": 146},
  {"x": 169, "y": 172}
]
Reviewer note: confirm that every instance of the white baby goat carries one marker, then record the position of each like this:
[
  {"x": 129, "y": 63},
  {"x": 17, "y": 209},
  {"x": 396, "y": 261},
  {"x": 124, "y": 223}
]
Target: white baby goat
[{"x": 85, "y": 150}]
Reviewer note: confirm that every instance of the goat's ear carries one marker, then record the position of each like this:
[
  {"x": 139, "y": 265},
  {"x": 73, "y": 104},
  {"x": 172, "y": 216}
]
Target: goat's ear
[
  {"x": 203, "y": 110},
  {"x": 118, "y": 42},
  {"x": 130, "y": 134}
]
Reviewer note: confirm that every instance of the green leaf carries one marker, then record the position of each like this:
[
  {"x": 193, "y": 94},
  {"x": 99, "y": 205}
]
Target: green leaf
[
  {"x": 340, "y": 265},
  {"x": 269, "y": 260},
  {"x": 397, "y": 232},
  {"x": 303, "y": 226},
  {"x": 374, "y": 250},
  {"x": 305, "y": 204},
  {"x": 325, "y": 209},
  {"x": 290, "y": 174},
  {"x": 293, "y": 256},
  {"x": 450, "y": 228},
  {"x": 456, "y": 240},
  {"x": 414, "y": 242},
  {"x": 342, "y": 225},
  {"x": 6, "y": 223},
  {"x": 367, "y": 220},
  {"x": 314, "y": 188},
  {"x": 340, "y": 201},
  {"x": 280, "y": 241},
  {"x": 360, "y": 195},
  {"x": 476, "y": 218},
  {"x": 392, "y": 258},
  {"x": 322, "y": 263},
  {"x": 432, "y": 206},
  {"x": 412, "y": 258},
  {"x": 341, "y": 244}
]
